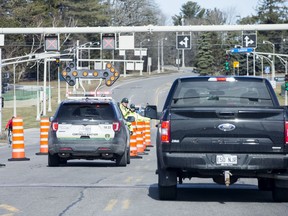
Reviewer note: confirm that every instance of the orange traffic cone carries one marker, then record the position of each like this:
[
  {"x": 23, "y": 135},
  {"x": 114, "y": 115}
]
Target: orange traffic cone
[
  {"x": 148, "y": 134},
  {"x": 140, "y": 140},
  {"x": 18, "y": 147},
  {"x": 133, "y": 142},
  {"x": 44, "y": 128}
]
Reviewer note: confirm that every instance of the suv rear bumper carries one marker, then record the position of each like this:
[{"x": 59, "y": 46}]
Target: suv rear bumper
[
  {"x": 202, "y": 161},
  {"x": 87, "y": 150}
]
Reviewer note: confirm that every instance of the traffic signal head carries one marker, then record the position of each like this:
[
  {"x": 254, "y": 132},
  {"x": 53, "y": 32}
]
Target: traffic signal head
[
  {"x": 227, "y": 65},
  {"x": 57, "y": 60},
  {"x": 286, "y": 82},
  {"x": 70, "y": 74}
]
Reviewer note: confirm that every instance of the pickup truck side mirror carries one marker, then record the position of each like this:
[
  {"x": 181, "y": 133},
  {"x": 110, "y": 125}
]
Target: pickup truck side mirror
[{"x": 151, "y": 112}]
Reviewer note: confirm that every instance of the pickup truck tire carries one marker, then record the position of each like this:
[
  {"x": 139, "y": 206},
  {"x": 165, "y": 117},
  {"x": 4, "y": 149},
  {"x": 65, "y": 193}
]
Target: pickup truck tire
[
  {"x": 280, "y": 191},
  {"x": 53, "y": 160},
  {"x": 167, "y": 184},
  {"x": 265, "y": 184},
  {"x": 280, "y": 194},
  {"x": 121, "y": 160},
  {"x": 167, "y": 193}
]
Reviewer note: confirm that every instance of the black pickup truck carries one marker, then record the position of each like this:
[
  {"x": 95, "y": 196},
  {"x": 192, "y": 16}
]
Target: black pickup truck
[{"x": 224, "y": 128}]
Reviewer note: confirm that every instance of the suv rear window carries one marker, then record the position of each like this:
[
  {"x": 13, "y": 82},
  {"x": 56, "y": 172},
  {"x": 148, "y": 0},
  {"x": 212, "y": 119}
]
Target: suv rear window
[
  {"x": 211, "y": 94},
  {"x": 94, "y": 111}
]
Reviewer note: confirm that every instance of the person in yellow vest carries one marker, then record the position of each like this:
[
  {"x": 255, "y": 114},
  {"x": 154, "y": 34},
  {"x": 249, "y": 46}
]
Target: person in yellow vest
[{"x": 126, "y": 111}]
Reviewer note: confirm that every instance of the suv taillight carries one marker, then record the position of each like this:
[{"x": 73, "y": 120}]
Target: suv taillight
[
  {"x": 54, "y": 126},
  {"x": 165, "y": 131},
  {"x": 286, "y": 132},
  {"x": 116, "y": 126}
]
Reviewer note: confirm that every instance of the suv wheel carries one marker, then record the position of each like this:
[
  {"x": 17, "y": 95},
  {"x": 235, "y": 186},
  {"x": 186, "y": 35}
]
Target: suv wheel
[
  {"x": 121, "y": 160},
  {"x": 53, "y": 160},
  {"x": 128, "y": 156}
]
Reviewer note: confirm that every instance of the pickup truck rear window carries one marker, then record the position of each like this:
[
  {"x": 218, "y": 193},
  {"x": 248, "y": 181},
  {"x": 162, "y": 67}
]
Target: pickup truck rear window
[{"x": 210, "y": 94}]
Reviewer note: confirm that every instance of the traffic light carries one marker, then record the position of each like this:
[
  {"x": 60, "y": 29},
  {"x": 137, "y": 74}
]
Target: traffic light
[
  {"x": 71, "y": 73},
  {"x": 227, "y": 63},
  {"x": 57, "y": 60},
  {"x": 286, "y": 82}
]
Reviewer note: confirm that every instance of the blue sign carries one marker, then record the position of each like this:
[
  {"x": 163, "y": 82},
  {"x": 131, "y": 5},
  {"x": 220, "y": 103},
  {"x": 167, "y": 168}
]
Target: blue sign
[{"x": 241, "y": 50}]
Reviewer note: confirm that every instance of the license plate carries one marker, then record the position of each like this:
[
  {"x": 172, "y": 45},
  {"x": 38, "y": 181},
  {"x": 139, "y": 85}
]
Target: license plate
[{"x": 226, "y": 159}]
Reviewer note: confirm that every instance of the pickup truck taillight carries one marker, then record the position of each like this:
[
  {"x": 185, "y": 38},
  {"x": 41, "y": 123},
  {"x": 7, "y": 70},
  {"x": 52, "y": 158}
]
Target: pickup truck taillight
[
  {"x": 286, "y": 132},
  {"x": 165, "y": 131}
]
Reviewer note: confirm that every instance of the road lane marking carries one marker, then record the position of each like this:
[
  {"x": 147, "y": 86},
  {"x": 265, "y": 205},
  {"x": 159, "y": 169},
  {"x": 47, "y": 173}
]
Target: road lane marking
[
  {"x": 110, "y": 205},
  {"x": 128, "y": 180},
  {"x": 125, "y": 204},
  {"x": 8, "y": 208}
]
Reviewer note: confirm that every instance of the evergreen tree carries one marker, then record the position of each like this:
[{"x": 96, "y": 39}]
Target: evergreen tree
[{"x": 205, "y": 58}]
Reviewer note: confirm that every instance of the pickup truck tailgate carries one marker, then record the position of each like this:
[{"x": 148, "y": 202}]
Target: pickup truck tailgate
[{"x": 241, "y": 130}]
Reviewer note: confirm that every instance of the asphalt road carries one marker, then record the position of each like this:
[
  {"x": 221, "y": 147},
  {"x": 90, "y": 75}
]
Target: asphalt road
[{"x": 96, "y": 188}]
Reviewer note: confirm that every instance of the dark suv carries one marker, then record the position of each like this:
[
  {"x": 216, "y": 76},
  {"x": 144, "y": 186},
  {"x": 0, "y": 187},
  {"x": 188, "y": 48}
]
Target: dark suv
[{"x": 88, "y": 128}]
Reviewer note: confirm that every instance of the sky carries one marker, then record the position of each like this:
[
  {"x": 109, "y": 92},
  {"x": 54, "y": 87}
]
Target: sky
[{"x": 240, "y": 8}]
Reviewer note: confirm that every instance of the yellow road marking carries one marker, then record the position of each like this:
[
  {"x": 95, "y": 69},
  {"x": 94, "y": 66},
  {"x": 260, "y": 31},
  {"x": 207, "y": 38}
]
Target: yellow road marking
[
  {"x": 128, "y": 180},
  {"x": 9, "y": 209},
  {"x": 125, "y": 204},
  {"x": 110, "y": 205}
]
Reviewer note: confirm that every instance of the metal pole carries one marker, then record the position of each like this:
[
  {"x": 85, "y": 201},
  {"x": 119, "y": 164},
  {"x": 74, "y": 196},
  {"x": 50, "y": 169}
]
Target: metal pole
[
  {"x": 254, "y": 69},
  {"x": 247, "y": 64},
  {"x": 44, "y": 87},
  {"x": 183, "y": 53},
  {"x": 49, "y": 79},
  {"x": 158, "y": 57},
  {"x": 285, "y": 90},
  {"x": 262, "y": 66},
  {"x": 141, "y": 71},
  {"x": 1, "y": 90},
  {"x": 14, "y": 89},
  {"x": 162, "y": 58},
  {"x": 38, "y": 96},
  {"x": 59, "y": 86}
]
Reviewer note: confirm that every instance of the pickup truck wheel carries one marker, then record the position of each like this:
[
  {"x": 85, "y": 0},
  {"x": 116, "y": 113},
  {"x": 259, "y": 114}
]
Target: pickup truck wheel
[
  {"x": 280, "y": 194},
  {"x": 53, "y": 160},
  {"x": 167, "y": 184},
  {"x": 167, "y": 193},
  {"x": 265, "y": 184},
  {"x": 63, "y": 161},
  {"x": 121, "y": 160}
]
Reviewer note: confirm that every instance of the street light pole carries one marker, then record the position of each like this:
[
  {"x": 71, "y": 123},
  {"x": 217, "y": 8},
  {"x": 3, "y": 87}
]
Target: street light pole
[
  {"x": 273, "y": 60},
  {"x": 162, "y": 55},
  {"x": 284, "y": 62},
  {"x": 183, "y": 53},
  {"x": 158, "y": 70}
]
